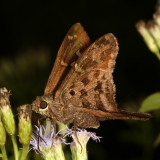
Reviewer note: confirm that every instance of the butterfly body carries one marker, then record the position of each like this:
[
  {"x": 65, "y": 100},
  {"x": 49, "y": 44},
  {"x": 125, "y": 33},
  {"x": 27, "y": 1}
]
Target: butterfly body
[
  {"x": 57, "y": 112},
  {"x": 83, "y": 94}
]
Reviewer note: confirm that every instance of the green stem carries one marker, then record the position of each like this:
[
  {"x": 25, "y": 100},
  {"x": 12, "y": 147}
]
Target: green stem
[
  {"x": 4, "y": 153},
  {"x": 15, "y": 147},
  {"x": 24, "y": 152}
]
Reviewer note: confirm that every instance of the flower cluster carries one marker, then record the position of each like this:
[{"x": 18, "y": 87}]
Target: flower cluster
[
  {"x": 49, "y": 143},
  {"x": 8, "y": 125}
]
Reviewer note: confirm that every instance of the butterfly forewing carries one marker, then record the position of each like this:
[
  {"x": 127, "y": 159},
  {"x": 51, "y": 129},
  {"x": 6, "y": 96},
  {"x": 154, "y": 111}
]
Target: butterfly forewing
[{"x": 74, "y": 42}]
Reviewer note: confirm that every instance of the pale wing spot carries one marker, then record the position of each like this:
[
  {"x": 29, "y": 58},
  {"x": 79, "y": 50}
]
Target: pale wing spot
[
  {"x": 100, "y": 69},
  {"x": 70, "y": 37},
  {"x": 108, "y": 37},
  {"x": 95, "y": 46},
  {"x": 64, "y": 63},
  {"x": 78, "y": 69},
  {"x": 78, "y": 53},
  {"x": 99, "y": 60},
  {"x": 75, "y": 36},
  {"x": 102, "y": 45}
]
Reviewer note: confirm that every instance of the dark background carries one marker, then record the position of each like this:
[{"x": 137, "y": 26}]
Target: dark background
[{"x": 31, "y": 27}]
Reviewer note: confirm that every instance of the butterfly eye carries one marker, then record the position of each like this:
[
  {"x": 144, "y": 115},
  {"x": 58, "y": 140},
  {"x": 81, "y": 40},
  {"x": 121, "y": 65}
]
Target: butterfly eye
[{"x": 43, "y": 105}]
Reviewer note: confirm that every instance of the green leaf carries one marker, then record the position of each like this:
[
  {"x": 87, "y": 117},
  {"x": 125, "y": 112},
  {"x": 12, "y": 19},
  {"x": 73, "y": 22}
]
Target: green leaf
[{"x": 151, "y": 103}]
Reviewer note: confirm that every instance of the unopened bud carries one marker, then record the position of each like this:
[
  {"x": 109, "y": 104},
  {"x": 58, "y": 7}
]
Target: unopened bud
[
  {"x": 24, "y": 125},
  {"x": 141, "y": 27},
  {"x": 6, "y": 112},
  {"x": 154, "y": 29},
  {"x": 2, "y": 134}
]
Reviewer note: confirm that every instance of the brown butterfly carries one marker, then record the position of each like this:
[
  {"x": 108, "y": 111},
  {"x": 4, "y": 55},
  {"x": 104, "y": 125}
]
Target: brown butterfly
[{"x": 80, "y": 88}]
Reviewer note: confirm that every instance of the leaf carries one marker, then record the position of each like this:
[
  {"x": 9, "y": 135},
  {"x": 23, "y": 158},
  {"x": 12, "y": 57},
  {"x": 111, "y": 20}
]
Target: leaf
[{"x": 151, "y": 103}]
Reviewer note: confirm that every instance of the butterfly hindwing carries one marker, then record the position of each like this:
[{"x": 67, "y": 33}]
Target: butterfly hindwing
[{"x": 89, "y": 84}]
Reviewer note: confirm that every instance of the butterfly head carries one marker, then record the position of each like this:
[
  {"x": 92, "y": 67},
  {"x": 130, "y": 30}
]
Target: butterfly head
[{"x": 41, "y": 104}]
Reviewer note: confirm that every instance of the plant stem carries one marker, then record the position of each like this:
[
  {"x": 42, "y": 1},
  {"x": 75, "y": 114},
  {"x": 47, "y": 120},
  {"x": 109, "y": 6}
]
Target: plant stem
[
  {"x": 15, "y": 147},
  {"x": 4, "y": 153},
  {"x": 24, "y": 152}
]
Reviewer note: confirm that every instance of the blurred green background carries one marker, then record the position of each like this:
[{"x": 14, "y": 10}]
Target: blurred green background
[{"x": 31, "y": 33}]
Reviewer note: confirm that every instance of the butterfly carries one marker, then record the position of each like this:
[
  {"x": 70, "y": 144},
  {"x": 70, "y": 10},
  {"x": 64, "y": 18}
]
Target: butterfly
[{"x": 80, "y": 89}]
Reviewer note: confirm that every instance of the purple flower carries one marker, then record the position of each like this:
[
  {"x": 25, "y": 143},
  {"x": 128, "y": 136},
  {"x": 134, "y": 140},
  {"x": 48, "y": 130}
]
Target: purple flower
[
  {"x": 47, "y": 142},
  {"x": 80, "y": 139},
  {"x": 82, "y": 133}
]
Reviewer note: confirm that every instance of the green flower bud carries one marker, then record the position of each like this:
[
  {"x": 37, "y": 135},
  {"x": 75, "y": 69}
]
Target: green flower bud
[
  {"x": 6, "y": 112},
  {"x": 24, "y": 125},
  {"x": 149, "y": 40},
  {"x": 156, "y": 17},
  {"x": 2, "y": 134},
  {"x": 154, "y": 29}
]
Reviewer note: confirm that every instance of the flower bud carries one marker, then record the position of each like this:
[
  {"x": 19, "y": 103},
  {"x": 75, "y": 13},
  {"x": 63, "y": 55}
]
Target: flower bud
[
  {"x": 24, "y": 125},
  {"x": 149, "y": 40},
  {"x": 154, "y": 29},
  {"x": 6, "y": 112},
  {"x": 2, "y": 134},
  {"x": 156, "y": 17}
]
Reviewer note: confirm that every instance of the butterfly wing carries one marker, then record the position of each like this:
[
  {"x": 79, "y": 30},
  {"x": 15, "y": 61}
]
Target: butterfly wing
[
  {"x": 75, "y": 41},
  {"x": 89, "y": 85}
]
